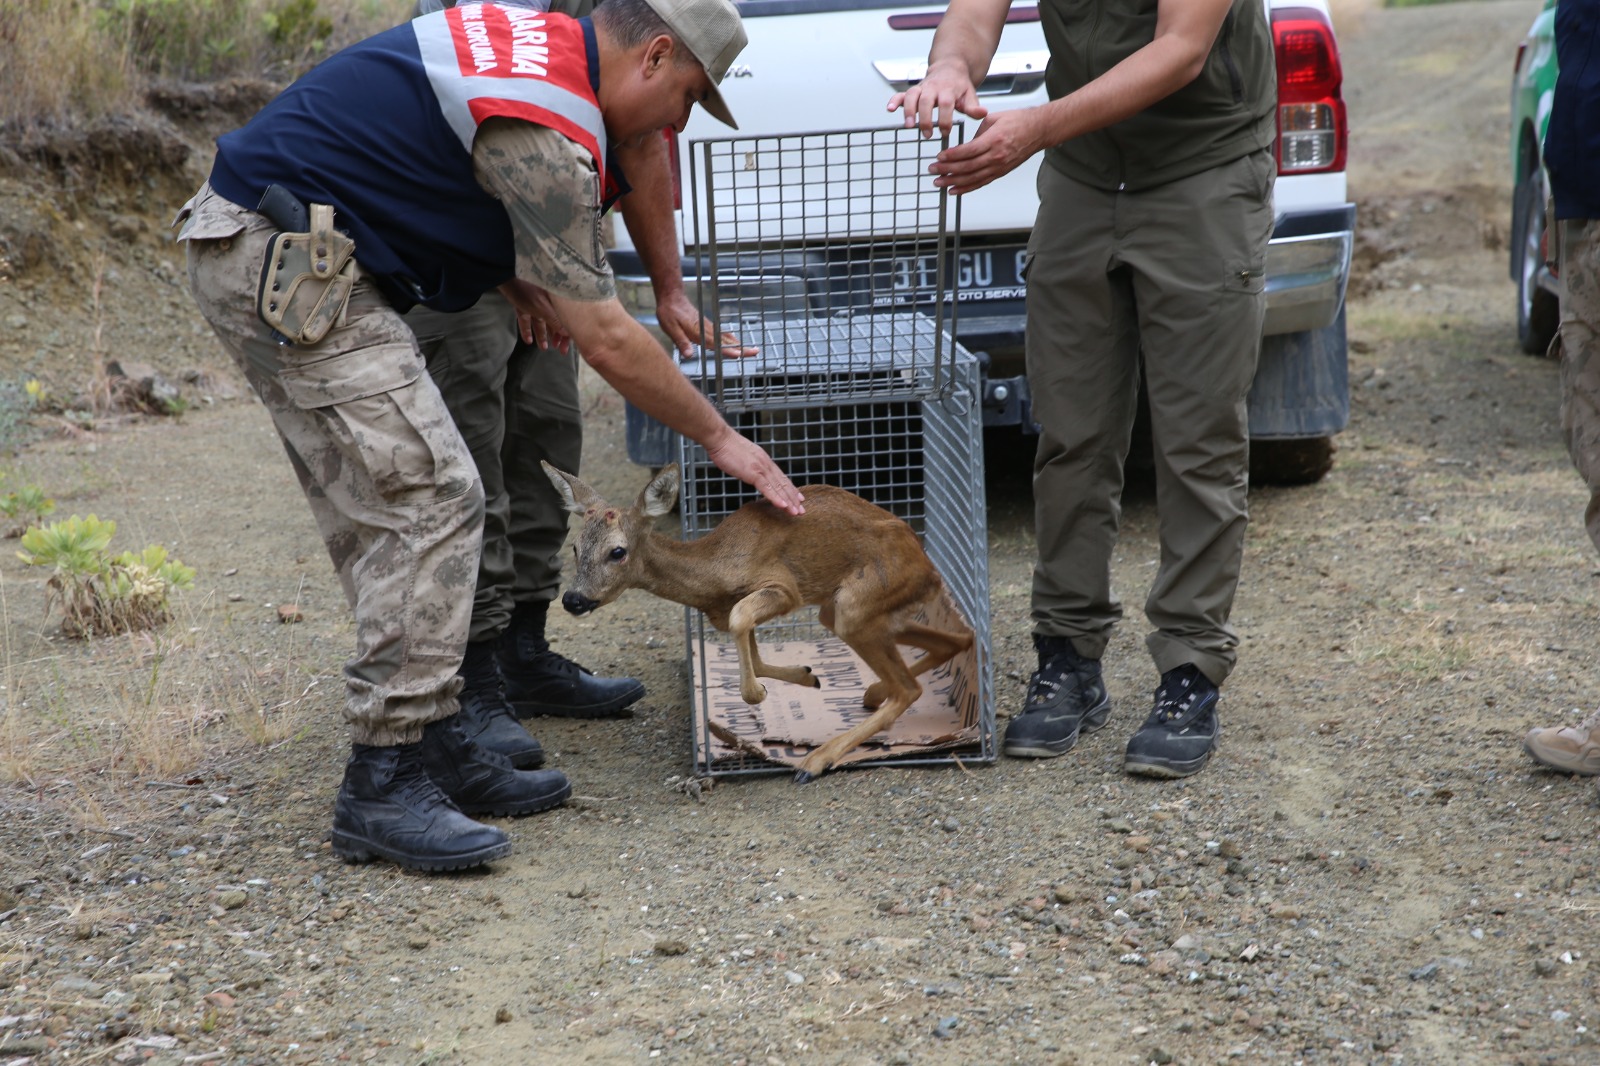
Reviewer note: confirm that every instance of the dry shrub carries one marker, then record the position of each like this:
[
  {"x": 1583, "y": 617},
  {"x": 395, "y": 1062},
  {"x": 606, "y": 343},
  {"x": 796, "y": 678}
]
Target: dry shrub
[
  {"x": 71, "y": 60},
  {"x": 58, "y": 62}
]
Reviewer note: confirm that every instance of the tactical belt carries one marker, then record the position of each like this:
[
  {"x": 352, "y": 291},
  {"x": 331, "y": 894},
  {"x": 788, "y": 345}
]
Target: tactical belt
[{"x": 308, "y": 272}]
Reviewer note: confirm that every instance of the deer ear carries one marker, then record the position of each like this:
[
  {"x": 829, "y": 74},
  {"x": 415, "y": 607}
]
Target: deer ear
[
  {"x": 574, "y": 493},
  {"x": 662, "y": 492}
]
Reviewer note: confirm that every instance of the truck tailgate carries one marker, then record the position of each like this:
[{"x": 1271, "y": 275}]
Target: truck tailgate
[{"x": 867, "y": 60}]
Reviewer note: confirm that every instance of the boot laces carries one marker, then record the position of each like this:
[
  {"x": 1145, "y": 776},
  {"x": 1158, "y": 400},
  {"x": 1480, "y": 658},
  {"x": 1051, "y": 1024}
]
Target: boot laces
[
  {"x": 415, "y": 788},
  {"x": 1047, "y": 682},
  {"x": 469, "y": 750},
  {"x": 1174, "y": 704},
  {"x": 552, "y": 661}
]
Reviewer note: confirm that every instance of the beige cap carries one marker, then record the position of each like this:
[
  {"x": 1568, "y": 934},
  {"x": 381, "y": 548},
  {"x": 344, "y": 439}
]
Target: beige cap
[{"x": 714, "y": 32}]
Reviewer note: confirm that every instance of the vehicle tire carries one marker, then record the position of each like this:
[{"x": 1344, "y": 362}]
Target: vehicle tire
[
  {"x": 1538, "y": 311},
  {"x": 1302, "y": 461}
]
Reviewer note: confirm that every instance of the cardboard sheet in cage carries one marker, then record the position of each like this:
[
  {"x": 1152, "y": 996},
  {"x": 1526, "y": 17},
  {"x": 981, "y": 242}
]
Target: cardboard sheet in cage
[{"x": 793, "y": 719}]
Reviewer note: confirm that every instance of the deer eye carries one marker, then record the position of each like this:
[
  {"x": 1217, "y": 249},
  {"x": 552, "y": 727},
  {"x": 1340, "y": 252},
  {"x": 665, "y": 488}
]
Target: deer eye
[{"x": 618, "y": 554}]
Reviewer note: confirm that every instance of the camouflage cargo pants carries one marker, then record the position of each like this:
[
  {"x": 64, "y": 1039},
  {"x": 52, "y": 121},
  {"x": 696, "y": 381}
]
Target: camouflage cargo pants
[
  {"x": 1578, "y": 346},
  {"x": 392, "y": 487},
  {"x": 515, "y": 405}
]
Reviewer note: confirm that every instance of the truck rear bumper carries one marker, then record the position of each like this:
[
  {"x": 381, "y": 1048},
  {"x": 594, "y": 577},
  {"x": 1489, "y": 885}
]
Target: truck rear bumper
[{"x": 1308, "y": 267}]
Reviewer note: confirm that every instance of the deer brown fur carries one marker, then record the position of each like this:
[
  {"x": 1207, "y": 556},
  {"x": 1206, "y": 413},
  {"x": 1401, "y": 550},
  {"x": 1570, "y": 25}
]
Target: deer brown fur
[{"x": 861, "y": 566}]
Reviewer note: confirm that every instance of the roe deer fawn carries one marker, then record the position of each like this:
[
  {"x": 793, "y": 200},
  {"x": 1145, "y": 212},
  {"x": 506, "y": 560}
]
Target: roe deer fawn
[{"x": 860, "y": 565}]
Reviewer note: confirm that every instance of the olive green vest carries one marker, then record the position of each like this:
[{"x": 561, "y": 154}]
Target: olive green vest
[{"x": 1225, "y": 113}]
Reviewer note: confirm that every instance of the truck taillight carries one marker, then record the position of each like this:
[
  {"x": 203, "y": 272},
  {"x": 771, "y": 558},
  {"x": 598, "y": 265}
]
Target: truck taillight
[
  {"x": 672, "y": 165},
  {"x": 1312, "y": 130}
]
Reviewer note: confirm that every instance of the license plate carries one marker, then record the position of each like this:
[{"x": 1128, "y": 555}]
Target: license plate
[{"x": 983, "y": 275}]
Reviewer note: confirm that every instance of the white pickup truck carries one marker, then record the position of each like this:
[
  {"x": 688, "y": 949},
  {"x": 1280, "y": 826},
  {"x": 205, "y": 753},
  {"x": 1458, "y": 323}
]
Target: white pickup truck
[{"x": 814, "y": 65}]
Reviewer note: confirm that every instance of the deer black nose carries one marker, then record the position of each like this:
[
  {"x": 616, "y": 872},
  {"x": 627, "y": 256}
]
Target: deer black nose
[{"x": 575, "y": 603}]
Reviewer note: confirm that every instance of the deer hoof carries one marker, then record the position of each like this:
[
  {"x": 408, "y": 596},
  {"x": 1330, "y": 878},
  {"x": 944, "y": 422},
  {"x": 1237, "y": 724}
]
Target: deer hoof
[
  {"x": 804, "y": 777},
  {"x": 812, "y": 679}
]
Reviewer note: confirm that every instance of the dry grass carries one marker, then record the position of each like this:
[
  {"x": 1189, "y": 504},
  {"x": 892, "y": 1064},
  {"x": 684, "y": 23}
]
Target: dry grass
[
  {"x": 100, "y": 730},
  {"x": 77, "y": 59}
]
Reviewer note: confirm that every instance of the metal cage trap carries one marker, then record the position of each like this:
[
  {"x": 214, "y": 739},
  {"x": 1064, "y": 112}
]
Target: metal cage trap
[{"x": 831, "y": 254}]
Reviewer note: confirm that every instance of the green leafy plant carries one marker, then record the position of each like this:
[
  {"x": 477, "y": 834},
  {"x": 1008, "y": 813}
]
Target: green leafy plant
[
  {"x": 100, "y": 594},
  {"x": 25, "y": 507}
]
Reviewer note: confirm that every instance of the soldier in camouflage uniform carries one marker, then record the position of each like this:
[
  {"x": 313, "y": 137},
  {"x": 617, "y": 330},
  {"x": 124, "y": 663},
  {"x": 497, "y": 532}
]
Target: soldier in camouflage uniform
[
  {"x": 463, "y": 152},
  {"x": 1572, "y": 160},
  {"x": 517, "y": 405}
]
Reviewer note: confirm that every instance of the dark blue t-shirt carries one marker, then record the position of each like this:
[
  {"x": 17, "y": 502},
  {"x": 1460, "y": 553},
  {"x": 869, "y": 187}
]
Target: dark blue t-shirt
[{"x": 1572, "y": 140}]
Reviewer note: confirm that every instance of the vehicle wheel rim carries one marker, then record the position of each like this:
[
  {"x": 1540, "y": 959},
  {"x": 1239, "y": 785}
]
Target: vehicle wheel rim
[{"x": 1532, "y": 249}]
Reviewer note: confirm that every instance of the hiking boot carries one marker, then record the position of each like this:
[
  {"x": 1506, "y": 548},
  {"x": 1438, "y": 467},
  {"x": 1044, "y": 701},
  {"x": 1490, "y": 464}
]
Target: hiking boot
[
  {"x": 542, "y": 682},
  {"x": 1573, "y": 748},
  {"x": 1066, "y": 696},
  {"x": 486, "y": 715},
  {"x": 1181, "y": 732},
  {"x": 389, "y": 808},
  {"x": 480, "y": 781}
]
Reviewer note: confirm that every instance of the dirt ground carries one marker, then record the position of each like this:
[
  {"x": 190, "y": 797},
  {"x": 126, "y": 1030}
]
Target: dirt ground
[{"x": 1370, "y": 870}]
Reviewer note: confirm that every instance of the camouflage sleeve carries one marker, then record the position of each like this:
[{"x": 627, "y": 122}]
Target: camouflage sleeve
[{"x": 551, "y": 190}]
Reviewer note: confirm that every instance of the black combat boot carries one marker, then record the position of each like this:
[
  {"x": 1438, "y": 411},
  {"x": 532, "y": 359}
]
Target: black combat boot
[
  {"x": 540, "y": 681},
  {"x": 1066, "y": 696},
  {"x": 389, "y": 808},
  {"x": 480, "y": 781},
  {"x": 485, "y": 714}
]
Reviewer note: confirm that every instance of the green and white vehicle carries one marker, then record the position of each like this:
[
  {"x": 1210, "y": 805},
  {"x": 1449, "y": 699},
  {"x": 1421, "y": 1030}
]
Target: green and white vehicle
[{"x": 1533, "y": 86}]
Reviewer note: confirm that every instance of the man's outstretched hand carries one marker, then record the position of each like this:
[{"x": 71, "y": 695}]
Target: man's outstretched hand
[{"x": 682, "y": 321}]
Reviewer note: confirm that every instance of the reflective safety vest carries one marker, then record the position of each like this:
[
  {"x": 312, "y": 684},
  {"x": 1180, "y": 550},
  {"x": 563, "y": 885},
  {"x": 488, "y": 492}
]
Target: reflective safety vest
[{"x": 383, "y": 131}]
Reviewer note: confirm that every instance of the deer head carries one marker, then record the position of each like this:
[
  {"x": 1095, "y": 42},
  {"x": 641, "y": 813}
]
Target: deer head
[{"x": 604, "y": 549}]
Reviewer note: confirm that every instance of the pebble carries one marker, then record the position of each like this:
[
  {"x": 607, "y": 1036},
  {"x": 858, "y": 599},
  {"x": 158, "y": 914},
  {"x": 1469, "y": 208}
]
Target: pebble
[{"x": 71, "y": 987}]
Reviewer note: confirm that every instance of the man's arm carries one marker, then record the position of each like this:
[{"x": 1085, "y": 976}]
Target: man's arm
[
  {"x": 963, "y": 45},
  {"x": 628, "y": 358},
  {"x": 648, "y": 211},
  {"x": 551, "y": 192}
]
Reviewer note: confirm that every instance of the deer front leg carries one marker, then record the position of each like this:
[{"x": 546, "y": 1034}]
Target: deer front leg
[{"x": 761, "y": 606}]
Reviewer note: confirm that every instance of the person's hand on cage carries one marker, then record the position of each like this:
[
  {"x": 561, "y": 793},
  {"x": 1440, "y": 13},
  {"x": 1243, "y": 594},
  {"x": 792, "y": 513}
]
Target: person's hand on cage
[
  {"x": 944, "y": 90},
  {"x": 1004, "y": 142},
  {"x": 682, "y": 321}
]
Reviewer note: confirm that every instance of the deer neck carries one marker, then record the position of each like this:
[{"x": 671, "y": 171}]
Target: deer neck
[{"x": 689, "y": 572}]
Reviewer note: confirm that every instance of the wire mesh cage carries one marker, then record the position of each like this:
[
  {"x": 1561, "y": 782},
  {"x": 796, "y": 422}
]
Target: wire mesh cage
[
  {"x": 830, "y": 254},
  {"x": 831, "y": 238}
]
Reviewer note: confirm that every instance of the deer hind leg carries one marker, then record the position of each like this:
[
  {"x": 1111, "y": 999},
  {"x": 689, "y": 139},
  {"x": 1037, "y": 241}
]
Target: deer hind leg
[
  {"x": 760, "y": 606},
  {"x": 883, "y": 659},
  {"x": 940, "y": 647}
]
